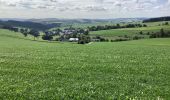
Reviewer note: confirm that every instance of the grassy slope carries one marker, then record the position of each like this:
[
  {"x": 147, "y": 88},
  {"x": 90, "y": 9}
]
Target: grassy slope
[
  {"x": 128, "y": 31},
  {"x": 11, "y": 34},
  {"x": 40, "y": 70}
]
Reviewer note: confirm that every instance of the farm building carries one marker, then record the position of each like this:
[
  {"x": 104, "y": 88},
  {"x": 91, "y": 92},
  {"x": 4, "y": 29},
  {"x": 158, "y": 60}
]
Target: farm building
[{"x": 73, "y": 39}]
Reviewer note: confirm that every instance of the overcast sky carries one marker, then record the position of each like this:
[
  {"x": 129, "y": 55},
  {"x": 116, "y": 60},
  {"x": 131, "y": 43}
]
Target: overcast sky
[{"x": 83, "y": 8}]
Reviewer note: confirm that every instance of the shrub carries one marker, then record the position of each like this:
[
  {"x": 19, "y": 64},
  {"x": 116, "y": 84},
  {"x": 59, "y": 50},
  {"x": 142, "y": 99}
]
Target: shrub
[
  {"x": 137, "y": 37},
  {"x": 83, "y": 39},
  {"x": 148, "y": 33},
  {"x": 141, "y": 33},
  {"x": 144, "y": 25},
  {"x": 120, "y": 39},
  {"x": 166, "y": 23}
]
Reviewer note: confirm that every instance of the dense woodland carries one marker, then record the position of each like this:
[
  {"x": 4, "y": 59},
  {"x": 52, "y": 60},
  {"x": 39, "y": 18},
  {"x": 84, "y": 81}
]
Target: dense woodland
[
  {"x": 27, "y": 24},
  {"x": 157, "y": 19}
]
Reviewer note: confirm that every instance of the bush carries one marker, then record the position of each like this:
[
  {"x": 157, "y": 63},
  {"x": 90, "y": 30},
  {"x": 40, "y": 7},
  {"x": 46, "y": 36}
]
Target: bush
[
  {"x": 120, "y": 39},
  {"x": 161, "y": 34},
  {"x": 125, "y": 36},
  {"x": 137, "y": 37},
  {"x": 166, "y": 23},
  {"x": 144, "y": 25},
  {"x": 101, "y": 39},
  {"x": 141, "y": 33},
  {"x": 83, "y": 39},
  {"x": 148, "y": 33},
  {"x": 81, "y": 42}
]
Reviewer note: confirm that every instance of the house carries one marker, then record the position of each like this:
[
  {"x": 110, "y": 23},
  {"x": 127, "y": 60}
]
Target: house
[
  {"x": 73, "y": 39},
  {"x": 95, "y": 40}
]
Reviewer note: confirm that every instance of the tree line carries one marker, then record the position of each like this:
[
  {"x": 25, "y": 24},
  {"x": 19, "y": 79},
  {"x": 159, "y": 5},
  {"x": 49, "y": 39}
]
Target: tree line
[
  {"x": 117, "y": 26},
  {"x": 157, "y": 19},
  {"x": 24, "y": 31},
  {"x": 161, "y": 34},
  {"x": 29, "y": 24}
]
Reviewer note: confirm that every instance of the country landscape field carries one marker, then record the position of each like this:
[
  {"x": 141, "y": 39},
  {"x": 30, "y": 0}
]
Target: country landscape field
[
  {"x": 121, "y": 70},
  {"x": 85, "y": 50}
]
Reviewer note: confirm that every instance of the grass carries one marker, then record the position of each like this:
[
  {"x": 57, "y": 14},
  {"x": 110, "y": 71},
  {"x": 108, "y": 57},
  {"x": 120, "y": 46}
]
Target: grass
[
  {"x": 122, "y": 70},
  {"x": 7, "y": 33},
  {"x": 156, "y": 23},
  {"x": 128, "y": 31}
]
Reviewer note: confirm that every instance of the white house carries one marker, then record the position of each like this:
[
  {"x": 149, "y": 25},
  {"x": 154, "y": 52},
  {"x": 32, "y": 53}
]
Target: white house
[{"x": 73, "y": 39}]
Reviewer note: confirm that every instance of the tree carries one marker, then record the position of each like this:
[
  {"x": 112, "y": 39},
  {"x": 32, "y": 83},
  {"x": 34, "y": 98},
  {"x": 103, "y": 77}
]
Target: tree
[
  {"x": 162, "y": 33},
  {"x": 47, "y": 37},
  {"x": 83, "y": 39},
  {"x": 148, "y": 33},
  {"x": 24, "y": 32},
  {"x": 14, "y": 29},
  {"x": 144, "y": 25},
  {"x": 86, "y": 32},
  {"x": 140, "y": 32},
  {"x": 34, "y": 33},
  {"x": 166, "y": 23},
  {"x": 118, "y": 25}
]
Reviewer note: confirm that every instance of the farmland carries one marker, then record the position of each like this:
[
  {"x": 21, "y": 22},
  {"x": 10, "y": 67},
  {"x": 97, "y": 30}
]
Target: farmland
[{"x": 119, "y": 70}]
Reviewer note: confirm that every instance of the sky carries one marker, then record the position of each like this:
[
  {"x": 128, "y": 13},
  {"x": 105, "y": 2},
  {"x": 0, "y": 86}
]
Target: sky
[{"x": 100, "y": 9}]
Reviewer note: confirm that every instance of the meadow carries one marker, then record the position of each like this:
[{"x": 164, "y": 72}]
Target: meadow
[
  {"x": 129, "y": 31},
  {"x": 112, "y": 70}
]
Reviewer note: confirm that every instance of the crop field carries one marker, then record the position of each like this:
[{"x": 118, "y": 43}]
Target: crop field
[
  {"x": 129, "y": 31},
  {"x": 119, "y": 70}
]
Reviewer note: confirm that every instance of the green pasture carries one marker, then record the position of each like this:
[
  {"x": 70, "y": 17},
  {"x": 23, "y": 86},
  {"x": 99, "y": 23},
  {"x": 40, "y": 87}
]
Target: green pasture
[
  {"x": 129, "y": 31},
  {"x": 112, "y": 70}
]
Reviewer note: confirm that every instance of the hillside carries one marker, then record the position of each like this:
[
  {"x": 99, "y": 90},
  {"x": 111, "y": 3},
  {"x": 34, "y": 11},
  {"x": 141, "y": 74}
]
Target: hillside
[
  {"x": 29, "y": 24},
  {"x": 123, "y": 70},
  {"x": 152, "y": 27}
]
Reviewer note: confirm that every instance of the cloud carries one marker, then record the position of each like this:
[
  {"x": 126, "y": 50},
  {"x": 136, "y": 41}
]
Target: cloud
[
  {"x": 92, "y": 5},
  {"x": 86, "y": 6}
]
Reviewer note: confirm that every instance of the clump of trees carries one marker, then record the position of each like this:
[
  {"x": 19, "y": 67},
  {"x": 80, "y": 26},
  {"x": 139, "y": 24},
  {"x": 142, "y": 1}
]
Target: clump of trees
[
  {"x": 15, "y": 29},
  {"x": 120, "y": 39},
  {"x": 136, "y": 37},
  {"x": 161, "y": 34},
  {"x": 32, "y": 32},
  {"x": 83, "y": 39},
  {"x": 25, "y": 32},
  {"x": 166, "y": 23},
  {"x": 47, "y": 37},
  {"x": 101, "y": 39}
]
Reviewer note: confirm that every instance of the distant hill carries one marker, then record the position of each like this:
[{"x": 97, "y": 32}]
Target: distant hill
[
  {"x": 157, "y": 19},
  {"x": 16, "y": 19},
  {"x": 48, "y": 23},
  {"x": 29, "y": 24},
  {"x": 71, "y": 21}
]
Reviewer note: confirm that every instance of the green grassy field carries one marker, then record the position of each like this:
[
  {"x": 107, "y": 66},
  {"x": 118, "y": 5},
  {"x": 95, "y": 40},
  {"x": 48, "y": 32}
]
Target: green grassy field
[
  {"x": 128, "y": 31},
  {"x": 156, "y": 23},
  {"x": 7, "y": 33},
  {"x": 120, "y": 70}
]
